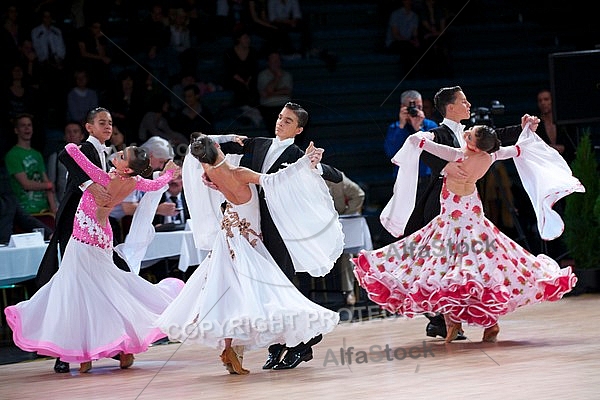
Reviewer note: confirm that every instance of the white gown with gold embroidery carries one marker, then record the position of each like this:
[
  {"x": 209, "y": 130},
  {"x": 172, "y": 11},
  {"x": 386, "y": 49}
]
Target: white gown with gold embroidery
[{"x": 239, "y": 292}]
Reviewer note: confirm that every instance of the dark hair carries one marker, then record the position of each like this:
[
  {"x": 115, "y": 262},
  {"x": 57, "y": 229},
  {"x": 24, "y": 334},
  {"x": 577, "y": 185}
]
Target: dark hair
[
  {"x": 139, "y": 161},
  {"x": 300, "y": 112},
  {"x": 487, "y": 140},
  {"x": 91, "y": 115},
  {"x": 192, "y": 87},
  {"x": 19, "y": 117},
  {"x": 203, "y": 148},
  {"x": 445, "y": 96}
]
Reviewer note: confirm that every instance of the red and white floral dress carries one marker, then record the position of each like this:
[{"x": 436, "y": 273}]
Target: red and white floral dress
[{"x": 460, "y": 263}]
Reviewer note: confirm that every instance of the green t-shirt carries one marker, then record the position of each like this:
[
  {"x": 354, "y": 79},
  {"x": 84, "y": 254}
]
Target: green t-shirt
[{"x": 31, "y": 162}]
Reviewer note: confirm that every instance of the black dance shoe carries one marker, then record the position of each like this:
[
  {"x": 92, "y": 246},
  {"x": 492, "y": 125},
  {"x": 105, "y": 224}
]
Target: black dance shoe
[
  {"x": 61, "y": 367},
  {"x": 433, "y": 330},
  {"x": 293, "y": 358},
  {"x": 275, "y": 352}
]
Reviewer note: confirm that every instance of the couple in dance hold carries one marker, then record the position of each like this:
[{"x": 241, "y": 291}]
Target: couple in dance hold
[
  {"x": 459, "y": 266},
  {"x": 238, "y": 298}
]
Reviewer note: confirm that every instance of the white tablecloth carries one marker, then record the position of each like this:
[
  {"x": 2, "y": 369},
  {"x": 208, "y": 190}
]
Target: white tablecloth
[
  {"x": 170, "y": 244},
  {"x": 19, "y": 264},
  {"x": 181, "y": 243},
  {"x": 356, "y": 234}
]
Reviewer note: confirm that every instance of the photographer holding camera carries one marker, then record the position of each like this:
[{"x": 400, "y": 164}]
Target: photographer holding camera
[{"x": 411, "y": 119}]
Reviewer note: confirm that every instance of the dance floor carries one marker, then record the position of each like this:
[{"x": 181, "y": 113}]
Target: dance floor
[{"x": 544, "y": 351}]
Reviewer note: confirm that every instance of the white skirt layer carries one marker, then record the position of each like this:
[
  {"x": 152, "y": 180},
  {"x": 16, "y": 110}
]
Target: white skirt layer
[
  {"x": 246, "y": 298},
  {"x": 91, "y": 309}
]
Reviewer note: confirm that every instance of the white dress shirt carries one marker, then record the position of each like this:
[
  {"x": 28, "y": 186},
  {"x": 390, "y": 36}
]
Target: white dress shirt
[
  {"x": 46, "y": 40},
  {"x": 277, "y": 148},
  {"x": 458, "y": 130}
]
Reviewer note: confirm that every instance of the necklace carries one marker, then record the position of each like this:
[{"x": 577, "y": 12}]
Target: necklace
[{"x": 219, "y": 164}]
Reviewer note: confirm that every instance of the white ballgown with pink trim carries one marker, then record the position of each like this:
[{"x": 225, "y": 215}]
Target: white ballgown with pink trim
[{"x": 91, "y": 309}]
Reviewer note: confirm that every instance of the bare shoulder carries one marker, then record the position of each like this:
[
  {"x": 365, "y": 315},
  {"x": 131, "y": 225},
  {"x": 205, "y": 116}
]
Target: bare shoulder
[{"x": 245, "y": 175}]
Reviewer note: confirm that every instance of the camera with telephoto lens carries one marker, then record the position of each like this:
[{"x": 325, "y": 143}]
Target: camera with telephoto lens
[
  {"x": 412, "y": 109},
  {"x": 483, "y": 115}
]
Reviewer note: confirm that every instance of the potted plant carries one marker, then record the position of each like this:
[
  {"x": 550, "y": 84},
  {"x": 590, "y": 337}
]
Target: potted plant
[{"x": 582, "y": 219}]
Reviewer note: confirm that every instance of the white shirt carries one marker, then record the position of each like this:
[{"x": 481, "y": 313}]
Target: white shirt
[
  {"x": 45, "y": 40},
  {"x": 277, "y": 148},
  {"x": 279, "y": 10},
  {"x": 458, "y": 129}
]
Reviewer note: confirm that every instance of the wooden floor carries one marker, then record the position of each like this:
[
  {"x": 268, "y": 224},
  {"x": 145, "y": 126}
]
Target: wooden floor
[{"x": 545, "y": 351}]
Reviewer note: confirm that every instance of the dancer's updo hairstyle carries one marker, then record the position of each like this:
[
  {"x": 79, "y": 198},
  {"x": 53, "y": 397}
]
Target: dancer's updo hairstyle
[
  {"x": 487, "y": 140},
  {"x": 203, "y": 148}
]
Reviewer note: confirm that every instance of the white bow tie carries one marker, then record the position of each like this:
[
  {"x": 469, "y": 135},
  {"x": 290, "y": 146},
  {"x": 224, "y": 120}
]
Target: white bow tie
[{"x": 106, "y": 149}]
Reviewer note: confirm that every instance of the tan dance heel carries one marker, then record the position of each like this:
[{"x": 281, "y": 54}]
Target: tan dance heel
[
  {"x": 126, "y": 360},
  {"x": 490, "y": 334},
  {"x": 233, "y": 362},
  {"x": 452, "y": 331},
  {"x": 85, "y": 367}
]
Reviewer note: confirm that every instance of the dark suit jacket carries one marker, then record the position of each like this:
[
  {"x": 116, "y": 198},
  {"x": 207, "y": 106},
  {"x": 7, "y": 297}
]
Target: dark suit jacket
[
  {"x": 254, "y": 151},
  {"x": 160, "y": 219},
  {"x": 427, "y": 204},
  {"x": 66, "y": 212}
]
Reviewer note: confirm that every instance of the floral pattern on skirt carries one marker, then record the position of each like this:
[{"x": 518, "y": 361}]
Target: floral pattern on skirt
[{"x": 462, "y": 265}]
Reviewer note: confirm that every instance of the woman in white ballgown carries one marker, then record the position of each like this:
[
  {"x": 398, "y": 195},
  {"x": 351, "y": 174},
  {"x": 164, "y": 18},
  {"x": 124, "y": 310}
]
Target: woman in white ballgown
[
  {"x": 91, "y": 309},
  {"x": 460, "y": 264},
  {"x": 238, "y": 294}
]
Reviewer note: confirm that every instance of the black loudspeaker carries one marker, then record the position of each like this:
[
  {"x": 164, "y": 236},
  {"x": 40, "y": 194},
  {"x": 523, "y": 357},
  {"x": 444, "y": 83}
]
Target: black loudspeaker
[{"x": 575, "y": 85}]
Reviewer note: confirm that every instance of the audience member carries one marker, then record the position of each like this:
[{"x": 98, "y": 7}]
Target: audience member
[
  {"x": 259, "y": 25},
  {"x": 558, "y": 137},
  {"x": 411, "y": 119},
  {"x": 118, "y": 141},
  {"x": 194, "y": 117},
  {"x": 241, "y": 69},
  {"x": 435, "y": 45},
  {"x": 48, "y": 42},
  {"x": 275, "y": 87},
  {"x": 174, "y": 195},
  {"x": 430, "y": 111},
  {"x": 13, "y": 218},
  {"x": 10, "y": 37},
  {"x": 240, "y": 66},
  {"x": 152, "y": 44},
  {"x": 28, "y": 60},
  {"x": 181, "y": 41},
  {"x": 348, "y": 199},
  {"x": 159, "y": 152},
  {"x": 81, "y": 98},
  {"x": 20, "y": 97},
  {"x": 51, "y": 50},
  {"x": 402, "y": 37},
  {"x": 286, "y": 15},
  {"x": 93, "y": 55},
  {"x": 155, "y": 123},
  {"x": 57, "y": 172},
  {"x": 126, "y": 102},
  {"x": 27, "y": 170}
]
